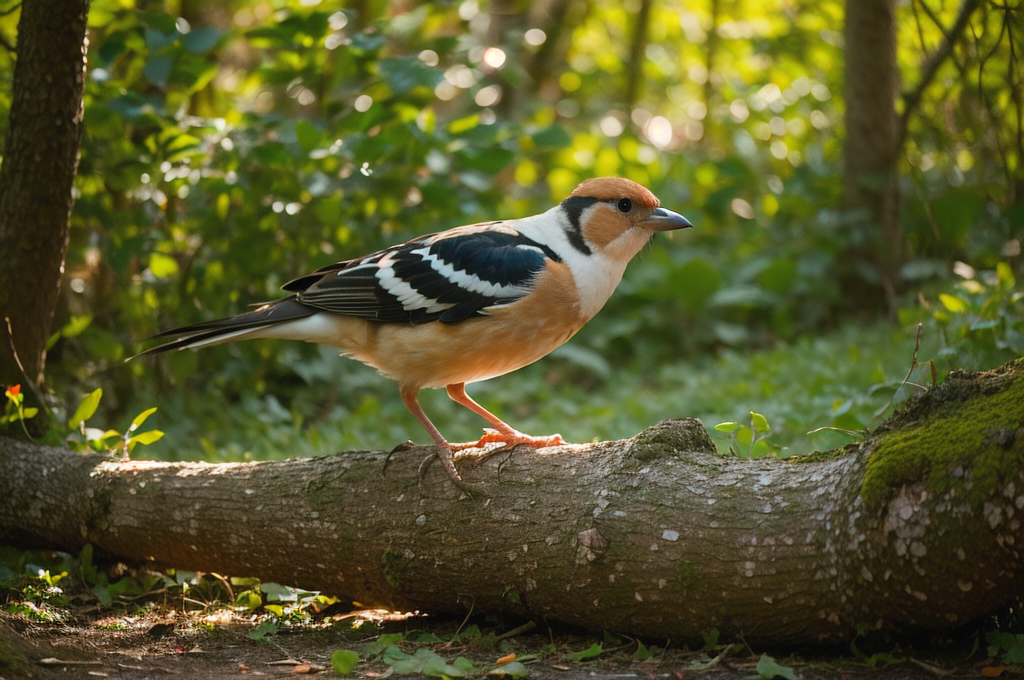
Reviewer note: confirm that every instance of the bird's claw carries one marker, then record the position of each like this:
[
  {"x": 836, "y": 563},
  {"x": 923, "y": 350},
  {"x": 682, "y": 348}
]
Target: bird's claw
[{"x": 453, "y": 474}]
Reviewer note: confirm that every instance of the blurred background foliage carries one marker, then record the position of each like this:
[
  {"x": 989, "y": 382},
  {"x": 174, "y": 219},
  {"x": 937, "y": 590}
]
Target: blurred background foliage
[{"x": 230, "y": 146}]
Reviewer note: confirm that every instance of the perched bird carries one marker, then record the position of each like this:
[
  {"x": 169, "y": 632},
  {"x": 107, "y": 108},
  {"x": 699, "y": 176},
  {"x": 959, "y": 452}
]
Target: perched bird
[{"x": 465, "y": 304}]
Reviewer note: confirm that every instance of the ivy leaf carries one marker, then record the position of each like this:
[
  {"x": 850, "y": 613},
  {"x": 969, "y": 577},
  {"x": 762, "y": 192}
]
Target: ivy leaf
[
  {"x": 512, "y": 669},
  {"x": 590, "y": 652},
  {"x": 343, "y": 661},
  {"x": 768, "y": 669}
]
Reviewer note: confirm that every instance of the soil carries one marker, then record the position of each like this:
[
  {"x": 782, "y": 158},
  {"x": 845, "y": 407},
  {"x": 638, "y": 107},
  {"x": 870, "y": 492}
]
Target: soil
[{"x": 161, "y": 645}]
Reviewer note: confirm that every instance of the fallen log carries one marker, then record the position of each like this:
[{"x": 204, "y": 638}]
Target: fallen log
[{"x": 916, "y": 528}]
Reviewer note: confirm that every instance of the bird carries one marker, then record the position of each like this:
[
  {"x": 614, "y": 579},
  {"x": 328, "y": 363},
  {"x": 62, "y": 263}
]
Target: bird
[{"x": 462, "y": 305}]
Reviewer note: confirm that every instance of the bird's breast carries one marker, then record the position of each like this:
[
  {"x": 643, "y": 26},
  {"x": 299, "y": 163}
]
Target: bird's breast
[{"x": 507, "y": 338}]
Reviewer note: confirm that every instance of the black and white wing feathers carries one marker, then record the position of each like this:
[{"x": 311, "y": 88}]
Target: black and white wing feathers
[{"x": 446, "y": 277}]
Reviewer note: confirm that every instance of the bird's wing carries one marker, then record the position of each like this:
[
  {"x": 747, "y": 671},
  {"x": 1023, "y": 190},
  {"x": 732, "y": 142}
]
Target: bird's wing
[{"x": 447, "y": 277}]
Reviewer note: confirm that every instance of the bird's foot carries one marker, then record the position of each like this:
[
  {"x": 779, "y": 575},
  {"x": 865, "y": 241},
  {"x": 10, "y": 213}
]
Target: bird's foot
[{"x": 510, "y": 440}]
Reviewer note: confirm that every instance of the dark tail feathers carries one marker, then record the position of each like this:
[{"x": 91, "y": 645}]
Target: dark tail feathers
[{"x": 286, "y": 309}]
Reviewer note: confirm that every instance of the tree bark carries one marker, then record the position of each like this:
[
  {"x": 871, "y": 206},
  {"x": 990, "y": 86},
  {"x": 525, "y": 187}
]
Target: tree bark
[
  {"x": 917, "y": 528},
  {"x": 39, "y": 165},
  {"x": 870, "y": 149},
  {"x": 635, "y": 63}
]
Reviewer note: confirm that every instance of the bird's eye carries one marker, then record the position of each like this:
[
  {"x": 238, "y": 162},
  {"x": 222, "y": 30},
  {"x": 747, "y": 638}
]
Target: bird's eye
[{"x": 625, "y": 205}]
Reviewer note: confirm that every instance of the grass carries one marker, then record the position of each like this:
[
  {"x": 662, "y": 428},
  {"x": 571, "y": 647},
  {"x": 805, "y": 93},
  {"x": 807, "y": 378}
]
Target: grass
[{"x": 844, "y": 380}]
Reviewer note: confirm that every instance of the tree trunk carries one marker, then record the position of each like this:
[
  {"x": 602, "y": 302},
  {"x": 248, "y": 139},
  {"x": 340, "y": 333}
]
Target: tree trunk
[
  {"x": 39, "y": 166},
  {"x": 917, "y": 528},
  {"x": 870, "y": 149},
  {"x": 635, "y": 63}
]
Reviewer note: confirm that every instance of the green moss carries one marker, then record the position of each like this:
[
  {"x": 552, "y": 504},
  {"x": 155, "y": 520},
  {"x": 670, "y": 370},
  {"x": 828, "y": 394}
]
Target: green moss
[
  {"x": 394, "y": 564},
  {"x": 982, "y": 435},
  {"x": 512, "y": 595},
  {"x": 823, "y": 456}
]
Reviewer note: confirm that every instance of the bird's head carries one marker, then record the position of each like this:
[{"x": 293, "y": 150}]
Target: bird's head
[{"x": 612, "y": 213}]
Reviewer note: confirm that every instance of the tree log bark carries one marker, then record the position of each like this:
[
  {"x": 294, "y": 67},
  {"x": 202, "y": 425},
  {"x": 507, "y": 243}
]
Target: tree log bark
[{"x": 917, "y": 528}]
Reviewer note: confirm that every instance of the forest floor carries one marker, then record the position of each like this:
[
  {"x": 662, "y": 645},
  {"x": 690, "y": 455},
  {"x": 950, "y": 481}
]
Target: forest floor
[{"x": 164, "y": 643}]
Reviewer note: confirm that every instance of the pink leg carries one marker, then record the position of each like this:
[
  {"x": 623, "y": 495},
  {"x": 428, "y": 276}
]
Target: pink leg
[
  {"x": 502, "y": 432},
  {"x": 444, "y": 449}
]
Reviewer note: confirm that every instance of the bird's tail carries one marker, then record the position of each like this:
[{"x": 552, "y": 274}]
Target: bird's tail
[{"x": 232, "y": 328}]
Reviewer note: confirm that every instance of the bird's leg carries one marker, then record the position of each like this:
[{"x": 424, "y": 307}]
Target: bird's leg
[
  {"x": 444, "y": 449},
  {"x": 502, "y": 432}
]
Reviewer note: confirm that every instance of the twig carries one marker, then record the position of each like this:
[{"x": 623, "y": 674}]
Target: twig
[
  {"x": 518, "y": 630},
  {"x": 906, "y": 378},
  {"x": 930, "y": 67},
  {"x": 28, "y": 381},
  {"x": 51, "y": 661},
  {"x": 462, "y": 625},
  {"x": 714, "y": 662},
  {"x": 934, "y": 670}
]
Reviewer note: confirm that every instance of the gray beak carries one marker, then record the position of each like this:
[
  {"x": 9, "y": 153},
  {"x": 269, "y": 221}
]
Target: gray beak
[{"x": 663, "y": 219}]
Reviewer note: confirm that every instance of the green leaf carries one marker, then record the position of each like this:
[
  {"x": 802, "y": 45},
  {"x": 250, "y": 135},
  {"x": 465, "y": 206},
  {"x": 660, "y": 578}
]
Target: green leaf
[
  {"x": 768, "y": 669},
  {"x": 553, "y": 136},
  {"x": 146, "y": 438},
  {"x": 1004, "y": 273},
  {"x": 141, "y": 418},
  {"x": 202, "y": 39},
  {"x": 512, "y": 669},
  {"x": 437, "y": 667},
  {"x": 343, "y": 661},
  {"x": 158, "y": 69},
  {"x": 85, "y": 409},
  {"x": 463, "y": 124},
  {"x": 403, "y": 663},
  {"x": 403, "y": 74},
  {"x": 248, "y": 599},
  {"x": 729, "y": 427},
  {"x": 590, "y": 652},
  {"x": 75, "y": 327},
  {"x": 308, "y": 135},
  {"x": 760, "y": 423},
  {"x": 464, "y": 664},
  {"x": 426, "y": 639},
  {"x": 264, "y": 629},
  {"x": 382, "y": 643},
  {"x": 641, "y": 653},
  {"x": 275, "y": 592},
  {"x": 953, "y": 303},
  {"x": 162, "y": 265},
  {"x": 103, "y": 595}
]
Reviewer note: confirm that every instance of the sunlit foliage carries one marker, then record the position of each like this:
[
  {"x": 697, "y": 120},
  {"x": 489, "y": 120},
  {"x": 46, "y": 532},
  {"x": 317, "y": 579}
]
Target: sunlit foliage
[{"x": 230, "y": 146}]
